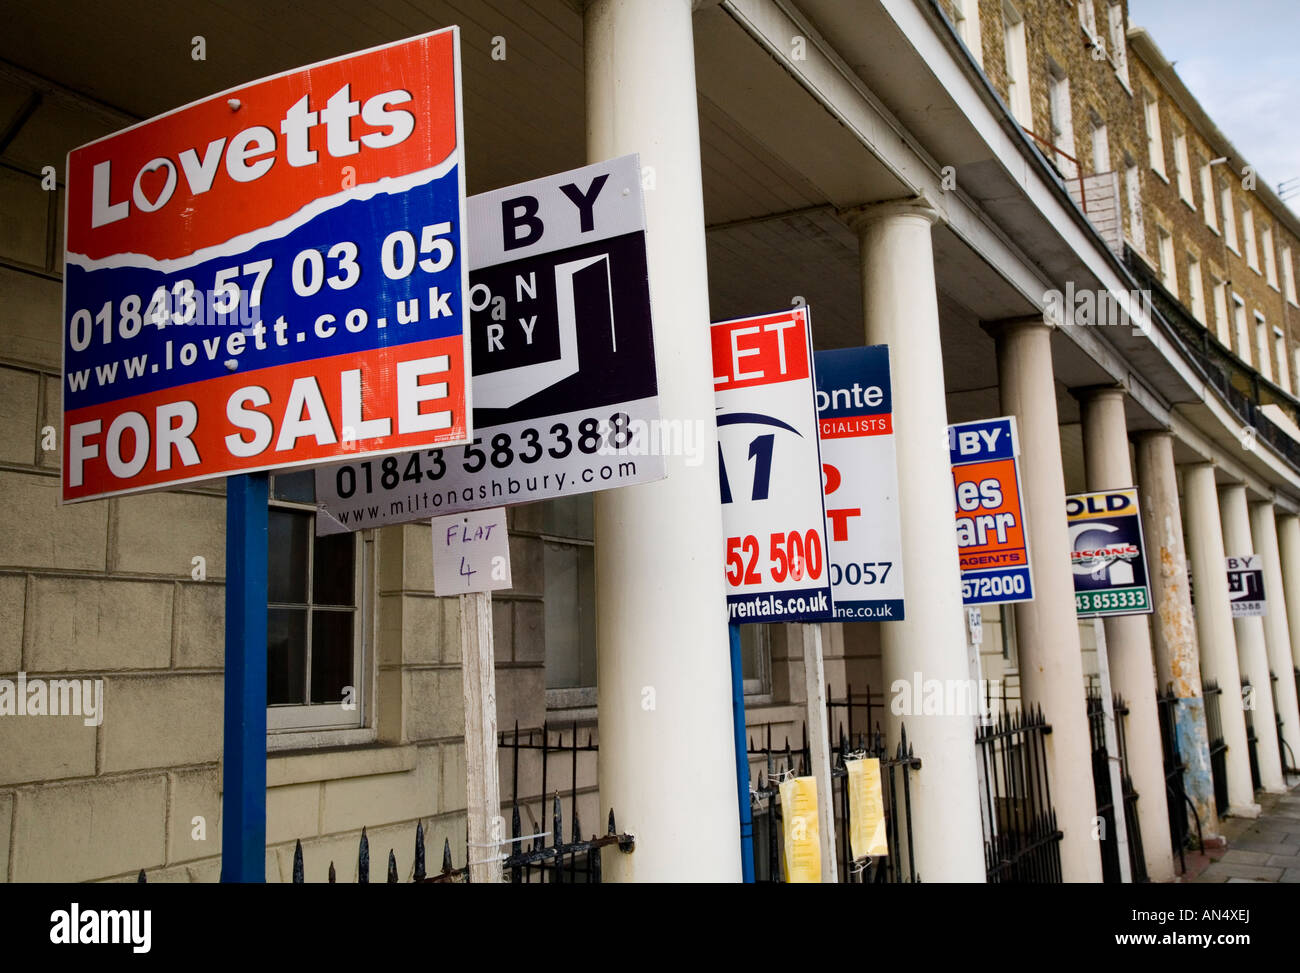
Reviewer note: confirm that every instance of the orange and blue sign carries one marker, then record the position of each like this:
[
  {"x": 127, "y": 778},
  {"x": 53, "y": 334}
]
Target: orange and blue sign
[
  {"x": 992, "y": 543},
  {"x": 271, "y": 277}
]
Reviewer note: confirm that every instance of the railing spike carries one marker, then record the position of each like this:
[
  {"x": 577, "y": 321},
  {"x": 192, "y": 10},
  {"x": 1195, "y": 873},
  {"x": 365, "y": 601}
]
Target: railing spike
[
  {"x": 140, "y": 879},
  {"x": 612, "y": 828},
  {"x": 419, "y": 851},
  {"x": 363, "y": 859},
  {"x": 298, "y": 877},
  {"x": 446, "y": 856},
  {"x": 331, "y": 873},
  {"x": 392, "y": 867}
]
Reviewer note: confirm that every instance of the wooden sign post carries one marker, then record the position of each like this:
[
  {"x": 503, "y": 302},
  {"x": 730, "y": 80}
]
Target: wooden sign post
[{"x": 471, "y": 558}]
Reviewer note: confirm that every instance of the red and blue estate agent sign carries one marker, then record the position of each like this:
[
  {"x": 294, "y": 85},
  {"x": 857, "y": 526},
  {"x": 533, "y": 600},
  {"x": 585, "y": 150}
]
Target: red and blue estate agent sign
[
  {"x": 992, "y": 544},
  {"x": 271, "y": 277},
  {"x": 770, "y": 469}
]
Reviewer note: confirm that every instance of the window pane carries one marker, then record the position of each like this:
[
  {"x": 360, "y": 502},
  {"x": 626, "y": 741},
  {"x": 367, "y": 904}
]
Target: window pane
[
  {"x": 289, "y": 542},
  {"x": 286, "y": 656},
  {"x": 570, "y": 616},
  {"x": 331, "y": 655},
  {"x": 569, "y": 517},
  {"x": 296, "y": 487},
  {"x": 332, "y": 573}
]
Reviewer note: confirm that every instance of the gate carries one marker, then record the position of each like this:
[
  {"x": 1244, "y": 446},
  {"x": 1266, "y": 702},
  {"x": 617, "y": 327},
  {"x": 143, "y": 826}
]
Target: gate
[{"x": 1021, "y": 840}]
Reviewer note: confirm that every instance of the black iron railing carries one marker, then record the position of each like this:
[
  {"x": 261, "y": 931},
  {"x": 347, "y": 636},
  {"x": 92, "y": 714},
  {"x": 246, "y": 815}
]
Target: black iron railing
[
  {"x": 1285, "y": 753},
  {"x": 896, "y": 769},
  {"x": 1101, "y": 782},
  {"x": 1182, "y": 811},
  {"x": 1218, "y": 746},
  {"x": 542, "y": 856},
  {"x": 1021, "y": 840}
]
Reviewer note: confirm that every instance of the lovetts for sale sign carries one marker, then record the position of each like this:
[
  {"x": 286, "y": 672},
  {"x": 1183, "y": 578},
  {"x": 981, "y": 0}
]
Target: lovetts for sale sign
[
  {"x": 1246, "y": 585},
  {"x": 860, "y": 481},
  {"x": 269, "y": 277},
  {"x": 992, "y": 546},
  {"x": 1107, "y": 555},
  {"x": 769, "y": 468}
]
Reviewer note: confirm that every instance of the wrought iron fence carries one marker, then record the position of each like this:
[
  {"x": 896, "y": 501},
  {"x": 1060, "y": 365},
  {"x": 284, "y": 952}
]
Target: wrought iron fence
[
  {"x": 1182, "y": 811},
  {"x": 1021, "y": 840},
  {"x": 1218, "y": 747},
  {"x": 899, "y": 864},
  {"x": 1101, "y": 782},
  {"x": 541, "y": 856},
  {"x": 1285, "y": 753}
]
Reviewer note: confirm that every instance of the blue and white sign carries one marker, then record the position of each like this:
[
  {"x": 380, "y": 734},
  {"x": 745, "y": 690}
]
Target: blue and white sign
[{"x": 860, "y": 483}]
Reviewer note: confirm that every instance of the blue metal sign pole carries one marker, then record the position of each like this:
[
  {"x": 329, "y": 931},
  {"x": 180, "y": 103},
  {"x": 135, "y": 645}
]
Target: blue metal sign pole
[
  {"x": 243, "y": 797},
  {"x": 742, "y": 758}
]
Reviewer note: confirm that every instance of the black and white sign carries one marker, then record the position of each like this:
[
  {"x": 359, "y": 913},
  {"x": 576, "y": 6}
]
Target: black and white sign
[
  {"x": 1246, "y": 585},
  {"x": 564, "y": 390}
]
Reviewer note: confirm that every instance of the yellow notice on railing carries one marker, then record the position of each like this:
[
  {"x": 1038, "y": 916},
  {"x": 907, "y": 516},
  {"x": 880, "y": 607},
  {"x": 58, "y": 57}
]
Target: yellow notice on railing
[
  {"x": 866, "y": 808},
  {"x": 801, "y": 854}
]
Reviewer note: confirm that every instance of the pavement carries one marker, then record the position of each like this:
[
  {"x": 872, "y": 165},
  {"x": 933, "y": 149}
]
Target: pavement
[{"x": 1263, "y": 849}]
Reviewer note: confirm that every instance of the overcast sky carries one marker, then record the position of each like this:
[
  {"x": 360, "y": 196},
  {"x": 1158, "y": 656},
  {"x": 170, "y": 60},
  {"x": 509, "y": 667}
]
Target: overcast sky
[{"x": 1239, "y": 58}]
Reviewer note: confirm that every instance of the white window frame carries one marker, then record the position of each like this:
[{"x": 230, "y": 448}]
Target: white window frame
[
  {"x": 1118, "y": 52},
  {"x": 291, "y": 726},
  {"x": 1155, "y": 140},
  {"x": 1195, "y": 289},
  {"x": 1183, "y": 168},
  {"x": 1219, "y": 292},
  {"x": 1248, "y": 238},
  {"x": 1283, "y": 367},
  {"x": 1229, "y": 219},
  {"x": 1137, "y": 230},
  {"x": 1270, "y": 257},
  {"x": 1207, "y": 198},
  {"x": 1168, "y": 260},
  {"x": 1061, "y": 119},
  {"x": 1242, "y": 328},
  {"x": 1100, "y": 144},
  {"x": 968, "y": 27},
  {"x": 1288, "y": 276},
  {"x": 1262, "y": 334},
  {"x": 1088, "y": 20},
  {"x": 1017, "y": 58}
]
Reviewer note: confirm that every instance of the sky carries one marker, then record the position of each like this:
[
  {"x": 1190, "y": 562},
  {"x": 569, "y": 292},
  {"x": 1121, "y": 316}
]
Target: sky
[{"x": 1240, "y": 59}]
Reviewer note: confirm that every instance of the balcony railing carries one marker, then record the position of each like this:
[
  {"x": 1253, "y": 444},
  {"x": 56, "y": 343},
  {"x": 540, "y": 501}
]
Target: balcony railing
[{"x": 1245, "y": 389}]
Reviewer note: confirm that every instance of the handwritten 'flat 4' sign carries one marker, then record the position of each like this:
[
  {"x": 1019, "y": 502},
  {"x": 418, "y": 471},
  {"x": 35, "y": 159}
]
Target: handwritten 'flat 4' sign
[
  {"x": 270, "y": 277},
  {"x": 769, "y": 467}
]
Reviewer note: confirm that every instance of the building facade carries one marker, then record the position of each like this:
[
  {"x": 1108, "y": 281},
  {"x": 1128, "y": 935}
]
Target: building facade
[{"x": 929, "y": 174}]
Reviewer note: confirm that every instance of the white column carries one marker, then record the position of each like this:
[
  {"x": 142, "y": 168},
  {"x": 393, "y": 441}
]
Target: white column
[
  {"x": 1047, "y": 631},
  {"x": 1277, "y": 627},
  {"x": 1173, "y": 625},
  {"x": 1288, "y": 542},
  {"x": 667, "y": 763},
  {"x": 1128, "y": 640},
  {"x": 1214, "y": 628},
  {"x": 1252, "y": 653},
  {"x": 900, "y": 308}
]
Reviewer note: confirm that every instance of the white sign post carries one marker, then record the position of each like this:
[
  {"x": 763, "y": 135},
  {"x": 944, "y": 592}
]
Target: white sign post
[
  {"x": 471, "y": 557},
  {"x": 773, "y": 512},
  {"x": 1112, "y": 751}
]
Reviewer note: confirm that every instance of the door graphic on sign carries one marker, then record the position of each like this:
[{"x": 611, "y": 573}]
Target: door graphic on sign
[
  {"x": 510, "y": 386},
  {"x": 1111, "y": 566}
]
